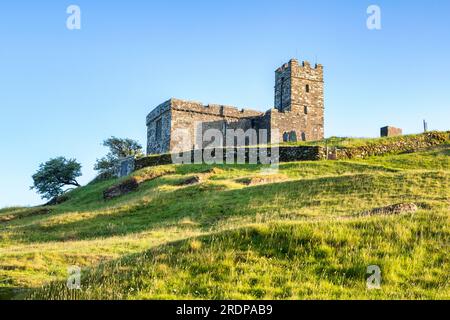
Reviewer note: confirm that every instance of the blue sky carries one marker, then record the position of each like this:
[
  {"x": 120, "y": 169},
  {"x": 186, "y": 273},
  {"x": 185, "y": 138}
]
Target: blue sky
[{"x": 62, "y": 92}]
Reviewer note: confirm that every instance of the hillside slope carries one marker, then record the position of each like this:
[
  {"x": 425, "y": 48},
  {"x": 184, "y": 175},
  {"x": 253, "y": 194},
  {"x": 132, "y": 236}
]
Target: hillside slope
[{"x": 241, "y": 234}]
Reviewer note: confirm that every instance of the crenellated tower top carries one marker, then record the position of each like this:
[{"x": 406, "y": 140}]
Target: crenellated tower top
[{"x": 294, "y": 82}]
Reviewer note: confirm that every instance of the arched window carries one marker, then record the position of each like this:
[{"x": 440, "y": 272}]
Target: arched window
[
  {"x": 307, "y": 88},
  {"x": 285, "y": 137},
  {"x": 305, "y": 109}
]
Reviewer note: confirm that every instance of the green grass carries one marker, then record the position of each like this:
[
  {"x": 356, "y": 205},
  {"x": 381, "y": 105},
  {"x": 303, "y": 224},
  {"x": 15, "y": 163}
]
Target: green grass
[
  {"x": 299, "y": 236},
  {"x": 311, "y": 260}
]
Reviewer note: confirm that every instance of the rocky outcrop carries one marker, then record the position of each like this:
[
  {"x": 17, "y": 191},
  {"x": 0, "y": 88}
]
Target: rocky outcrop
[
  {"x": 201, "y": 177},
  {"x": 263, "y": 179},
  {"x": 191, "y": 180},
  {"x": 57, "y": 200},
  {"x": 124, "y": 187},
  {"x": 132, "y": 184},
  {"x": 394, "y": 209}
]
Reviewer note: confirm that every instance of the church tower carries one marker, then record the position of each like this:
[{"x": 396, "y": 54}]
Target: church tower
[{"x": 299, "y": 94}]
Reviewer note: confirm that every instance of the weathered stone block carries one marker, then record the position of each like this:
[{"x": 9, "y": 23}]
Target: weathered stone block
[
  {"x": 124, "y": 166},
  {"x": 390, "y": 132}
]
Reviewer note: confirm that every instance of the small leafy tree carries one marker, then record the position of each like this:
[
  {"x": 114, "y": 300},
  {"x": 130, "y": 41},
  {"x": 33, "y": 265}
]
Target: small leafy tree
[
  {"x": 54, "y": 175},
  {"x": 118, "y": 148}
]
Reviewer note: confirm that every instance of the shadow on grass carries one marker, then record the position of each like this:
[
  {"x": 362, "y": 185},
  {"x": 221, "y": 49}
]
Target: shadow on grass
[
  {"x": 201, "y": 269},
  {"x": 11, "y": 293},
  {"x": 206, "y": 206}
]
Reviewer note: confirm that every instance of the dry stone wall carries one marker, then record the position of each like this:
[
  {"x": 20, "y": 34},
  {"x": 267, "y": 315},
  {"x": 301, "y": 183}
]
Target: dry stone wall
[
  {"x": 394, "y": 146},
  {"x": 286, "y": 154},
  {"x": 313, "y": 153}
]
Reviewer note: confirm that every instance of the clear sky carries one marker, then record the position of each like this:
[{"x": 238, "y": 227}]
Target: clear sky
[{"x": 63, "y": 91}]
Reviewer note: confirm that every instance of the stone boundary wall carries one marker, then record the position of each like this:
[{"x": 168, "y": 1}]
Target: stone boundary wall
[
  {"x": 153, "y": 161},
  {"x": 286, "y": 154},
  {"x": 312, "y": 153},
  {"x": 403, "y": 144}
]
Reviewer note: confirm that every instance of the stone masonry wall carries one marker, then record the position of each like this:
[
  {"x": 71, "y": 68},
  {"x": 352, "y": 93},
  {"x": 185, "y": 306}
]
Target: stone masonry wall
[
  {"x": 195, "y": 118},
  {"x": 161, "y": 113},
  {"x": 308, "y": 98},
  {"x": 283, "y": 86}
]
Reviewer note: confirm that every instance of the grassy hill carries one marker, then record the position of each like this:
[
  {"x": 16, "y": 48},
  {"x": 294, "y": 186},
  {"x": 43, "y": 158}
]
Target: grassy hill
[{"x": 296, "y": 234}]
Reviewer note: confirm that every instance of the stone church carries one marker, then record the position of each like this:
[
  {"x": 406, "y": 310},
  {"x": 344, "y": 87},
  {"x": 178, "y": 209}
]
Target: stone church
[{"x": 298, "y": 113}]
